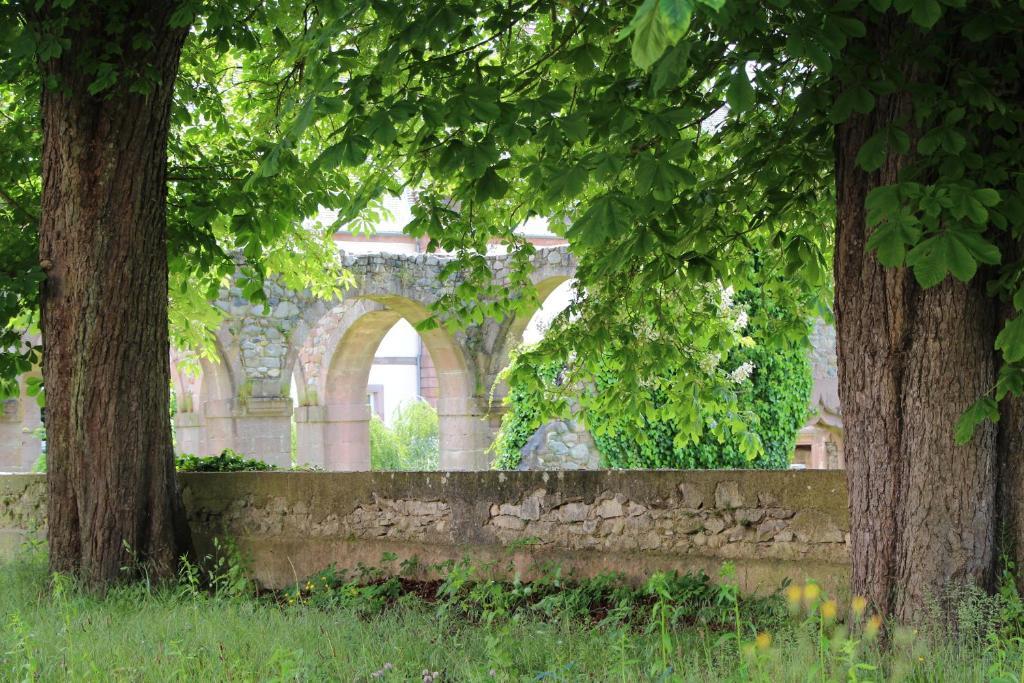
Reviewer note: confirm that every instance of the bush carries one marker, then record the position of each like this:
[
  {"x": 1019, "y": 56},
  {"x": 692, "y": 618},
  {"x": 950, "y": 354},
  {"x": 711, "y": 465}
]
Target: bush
[
  {"x": 385, "y": 450},
  {"x": 411, "y": 444},
  {"x": 776, "y": 393},
  {"x": 227, "y": 461}
]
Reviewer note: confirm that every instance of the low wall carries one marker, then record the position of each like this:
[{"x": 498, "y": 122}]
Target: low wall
[{"x": 771, "y": 525}]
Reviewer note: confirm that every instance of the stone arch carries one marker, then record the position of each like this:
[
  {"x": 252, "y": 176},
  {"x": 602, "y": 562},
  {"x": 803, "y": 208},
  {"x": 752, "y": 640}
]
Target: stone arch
[
  {"x": 345, "y": 370},
  {"x": 204, "y": 423},
  {"x": 511, "y": 335},
  {"x": 518, "y": 325},
  {"x": 296, "y": 337}
]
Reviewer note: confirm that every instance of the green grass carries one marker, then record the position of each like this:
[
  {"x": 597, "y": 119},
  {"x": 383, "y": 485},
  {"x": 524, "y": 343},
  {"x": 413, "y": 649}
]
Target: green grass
[{"x": 671, "y": 630}]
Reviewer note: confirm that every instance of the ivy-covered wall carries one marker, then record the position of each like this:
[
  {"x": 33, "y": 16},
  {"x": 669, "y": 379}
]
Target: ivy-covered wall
[{"x": 774, "y": 391}]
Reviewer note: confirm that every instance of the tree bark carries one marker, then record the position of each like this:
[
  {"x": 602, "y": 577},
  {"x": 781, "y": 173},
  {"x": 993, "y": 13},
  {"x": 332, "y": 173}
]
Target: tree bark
[
  {"x": 923, "y": 509},
  {"x": 113, "y": 502}
]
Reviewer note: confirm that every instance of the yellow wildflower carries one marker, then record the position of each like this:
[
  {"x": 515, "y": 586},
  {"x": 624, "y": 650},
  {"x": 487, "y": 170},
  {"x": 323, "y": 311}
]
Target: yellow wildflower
[
  {"x": 873, "y": 626},
  {"x": 858, "y": 605},
  {"x": 794, "y": 594},
  {"x": 828, "y": 610},
  {"x": 811, "y": 593},
  {"x": 763, "y": 641}
]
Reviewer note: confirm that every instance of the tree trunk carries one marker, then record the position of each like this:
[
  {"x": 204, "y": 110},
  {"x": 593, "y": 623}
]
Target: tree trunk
[
  {"x": 113, "y": 502},
  {"x": 922, "y": 509}
]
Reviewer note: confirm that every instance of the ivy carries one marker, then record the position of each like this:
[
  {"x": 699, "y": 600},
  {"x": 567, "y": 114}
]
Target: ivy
[
  {"x": 227, "y": 461},
  {"x": 773, "y": 399}
]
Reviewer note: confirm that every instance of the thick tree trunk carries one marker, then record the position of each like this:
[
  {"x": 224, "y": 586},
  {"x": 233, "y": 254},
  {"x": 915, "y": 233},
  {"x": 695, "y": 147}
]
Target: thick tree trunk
[
  {"x": 923, "y": 510},
  {"x": 113, "y": 501}
]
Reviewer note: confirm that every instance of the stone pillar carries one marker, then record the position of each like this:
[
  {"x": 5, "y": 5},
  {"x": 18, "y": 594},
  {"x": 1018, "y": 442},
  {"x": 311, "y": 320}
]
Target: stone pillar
[
  {"x": 263, "y": 429},
  {"x": 465, "y": 434},
  {"x": 347, "y": 437},
  {"x": 310, "y": 423},
  {"x": 219, "y": 422},
  {"x": 188, "y": 433},
  {"x": 10, "y": 436}
]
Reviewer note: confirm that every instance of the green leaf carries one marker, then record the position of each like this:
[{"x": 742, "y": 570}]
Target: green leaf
[
  {"x": 608, "y": 215},
  {"x": 750, "y": 445},
  {"x": 491, "y": 186},
  {"x": 980, "y": 249},
  {"x": 485, "y": 105},
  {"x": 925, "y": 13},
  {"x": 852, "y": 27},
  {"x": 980, "y": 28},
  {"x": 351, "y": 151},
  {"x": 889, "y": 240},
  {"x": 676, "y": 15},
  {"x": 953, "y": 251},
  {"x": 984, "y": 408},
  {"x": 1010, "y": 340},
  {"x": 882, "y": 203},
  {"x": 649, "y": 35},
  {"x": 380, "y": 128},
  {"x": 567, "y": 183},
  {"x": 872, "y": 153},
  {"x": 670, "y": 68},
  {"x": 987, "y": 196},
  {"x": 1010, "y": 382},
  {"x": 106, "y": 76},
  {"x": 740, "y": 93},
  {"x": 928, "y": 261}
]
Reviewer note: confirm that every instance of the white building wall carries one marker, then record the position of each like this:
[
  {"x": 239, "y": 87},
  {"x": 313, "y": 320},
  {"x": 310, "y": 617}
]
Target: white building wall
[
  {"x": 400, "y": 385},
  {"x": 399, "y": 376}
]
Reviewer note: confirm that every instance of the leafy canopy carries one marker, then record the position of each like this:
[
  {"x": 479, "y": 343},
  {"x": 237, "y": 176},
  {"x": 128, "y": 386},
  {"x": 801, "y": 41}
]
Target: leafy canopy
[{"x": 675, "y": 143}]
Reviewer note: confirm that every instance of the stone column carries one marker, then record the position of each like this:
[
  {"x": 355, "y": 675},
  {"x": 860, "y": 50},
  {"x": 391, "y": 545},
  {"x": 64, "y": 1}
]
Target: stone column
[
  {"x": 263, "y": 429},
  {"x": 188, "y": 433},
  {"x": 219, "y": 422},
  {"x": 310, "y": 423},
  {"x": 347, "y": 437},
  {"x": 465, "y": 434},
  {"x": 10, "y": 436}
]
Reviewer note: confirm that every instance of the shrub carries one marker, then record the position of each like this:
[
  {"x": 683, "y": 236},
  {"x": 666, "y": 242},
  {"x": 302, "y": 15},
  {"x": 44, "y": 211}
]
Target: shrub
[
  {"x": 385, "y": 450},
  {"x": 776, "y": 394},
  {"x": 227, "y": 461},
  {"x": 417, "y": 427},
  {"x": 411, "y": 444}
]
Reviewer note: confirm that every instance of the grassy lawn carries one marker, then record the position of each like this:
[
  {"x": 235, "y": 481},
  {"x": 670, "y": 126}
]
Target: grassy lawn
[{"x": 371, "y": 629}]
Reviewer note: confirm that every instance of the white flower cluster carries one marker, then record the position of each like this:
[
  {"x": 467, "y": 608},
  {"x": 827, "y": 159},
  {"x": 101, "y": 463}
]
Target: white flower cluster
[{"x": 742, "y": 373}]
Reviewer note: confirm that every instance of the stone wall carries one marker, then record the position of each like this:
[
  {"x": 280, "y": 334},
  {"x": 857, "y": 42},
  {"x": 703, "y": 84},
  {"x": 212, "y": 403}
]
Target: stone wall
[{"x": 771, "y": 525}]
